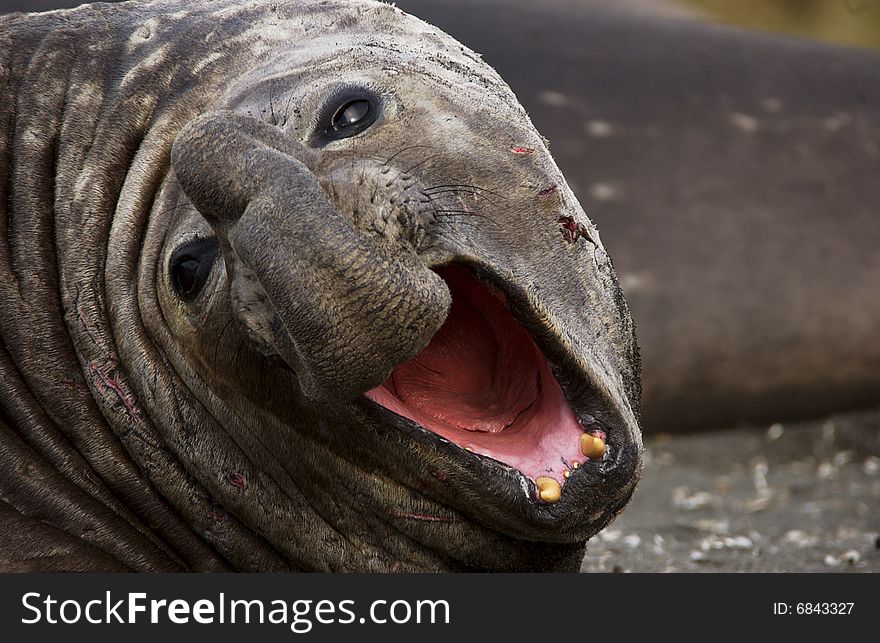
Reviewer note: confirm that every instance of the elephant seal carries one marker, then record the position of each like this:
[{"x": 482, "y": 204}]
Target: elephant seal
[{"x": 294, "y": 286}]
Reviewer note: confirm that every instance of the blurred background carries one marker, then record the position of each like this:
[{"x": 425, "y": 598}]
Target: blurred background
[
  {"x": 821, "y": 19},
  {"x": 729, "y": 152}
]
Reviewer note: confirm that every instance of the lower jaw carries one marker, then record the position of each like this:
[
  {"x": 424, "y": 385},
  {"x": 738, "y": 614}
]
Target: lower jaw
[{"x": 436, "y": 491}]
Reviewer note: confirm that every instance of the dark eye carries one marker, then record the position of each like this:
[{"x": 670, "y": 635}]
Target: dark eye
[
  {"x": 191, "y": 265},
  {"x": 347, "y": 112},
  {"x": 351, "y": 114}
]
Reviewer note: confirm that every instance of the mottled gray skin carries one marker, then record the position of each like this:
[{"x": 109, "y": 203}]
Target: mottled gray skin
[{"x": 143, "y": 432}]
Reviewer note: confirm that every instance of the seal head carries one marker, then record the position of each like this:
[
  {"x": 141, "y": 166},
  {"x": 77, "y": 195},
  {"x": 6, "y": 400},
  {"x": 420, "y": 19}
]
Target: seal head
[
  {"x": 316, "y": 294},
  {"x": 389, "y": 235}
]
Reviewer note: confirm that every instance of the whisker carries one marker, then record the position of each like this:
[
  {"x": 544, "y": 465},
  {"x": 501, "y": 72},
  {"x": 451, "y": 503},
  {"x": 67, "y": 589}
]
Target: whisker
[
  {"x": 420, "y": 163},
  {"x": 449, "y": 214},
  {"x": 408, "y": 171},
  {"x": 175, "y": 207},
  {"x": 287, "y": 110},
  {"x": 272, "y": 107},
  {"x": 461, "y": 191},
  {"x": 463, "y": 186},
  {"x": 405, "y": 149}
]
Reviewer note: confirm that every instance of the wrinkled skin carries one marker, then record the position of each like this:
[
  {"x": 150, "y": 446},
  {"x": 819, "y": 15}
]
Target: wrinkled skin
[{"x": 144, "y": 429}]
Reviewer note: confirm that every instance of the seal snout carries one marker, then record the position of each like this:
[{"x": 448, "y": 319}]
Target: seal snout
[{"x": 337, "y": 307}]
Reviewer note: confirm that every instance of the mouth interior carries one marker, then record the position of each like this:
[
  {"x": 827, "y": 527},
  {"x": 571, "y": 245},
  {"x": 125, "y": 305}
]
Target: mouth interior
[{"x": 483, "y": 384}]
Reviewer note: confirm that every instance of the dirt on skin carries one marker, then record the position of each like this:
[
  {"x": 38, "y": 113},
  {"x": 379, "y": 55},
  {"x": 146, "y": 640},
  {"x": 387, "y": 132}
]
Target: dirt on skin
[{"x": 799, "y": 497}]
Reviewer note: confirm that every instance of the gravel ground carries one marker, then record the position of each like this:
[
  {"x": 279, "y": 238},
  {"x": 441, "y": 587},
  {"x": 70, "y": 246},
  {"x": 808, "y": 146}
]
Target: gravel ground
[{"x": 799, "y": 497}]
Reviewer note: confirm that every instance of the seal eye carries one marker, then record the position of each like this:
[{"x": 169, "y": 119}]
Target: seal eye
[
  {"x": 347, "y": 112},
  {"x": 190, "y": 267},
  {"x": 351, "y": 113},
  {"x": 186, "y": 274}
]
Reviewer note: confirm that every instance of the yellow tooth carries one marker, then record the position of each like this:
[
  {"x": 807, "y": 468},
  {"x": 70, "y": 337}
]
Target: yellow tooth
[
  {"x": 575, "y": 464},
  {"x": 592, "y": 447},
  {"x": 566, "y": 474},
  {"x": 548, "y": 489}
]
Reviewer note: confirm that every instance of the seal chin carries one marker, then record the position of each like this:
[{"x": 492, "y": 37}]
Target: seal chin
[{"x": 484, "y": 385}]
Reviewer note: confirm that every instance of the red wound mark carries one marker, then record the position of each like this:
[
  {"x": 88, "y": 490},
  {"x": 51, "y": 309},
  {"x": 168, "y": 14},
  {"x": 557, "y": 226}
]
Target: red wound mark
[
  {"x": 523, "y": 151},
  {"x": 108, "y": 385},
  {"x": 569, "y": 228},
  {"x": 74, "y": 386},
  {"x": 572, "y": 230},
  {"x": 547, "y": 191},
  {"x": 237, "y": 480},
  {"x": 439, "y": 475},
  {"x": 214, "y": 508}
]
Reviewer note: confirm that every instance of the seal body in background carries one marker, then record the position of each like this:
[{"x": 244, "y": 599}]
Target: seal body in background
[{"x": 295, "y": 286}]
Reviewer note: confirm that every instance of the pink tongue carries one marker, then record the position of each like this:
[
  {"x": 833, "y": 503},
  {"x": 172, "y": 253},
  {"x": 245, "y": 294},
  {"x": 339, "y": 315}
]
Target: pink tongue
[{"x": 479, "y": 372}]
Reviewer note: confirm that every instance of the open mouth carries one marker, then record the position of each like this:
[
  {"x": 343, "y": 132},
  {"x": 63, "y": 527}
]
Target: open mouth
[{"x": 483, "y": 384}]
